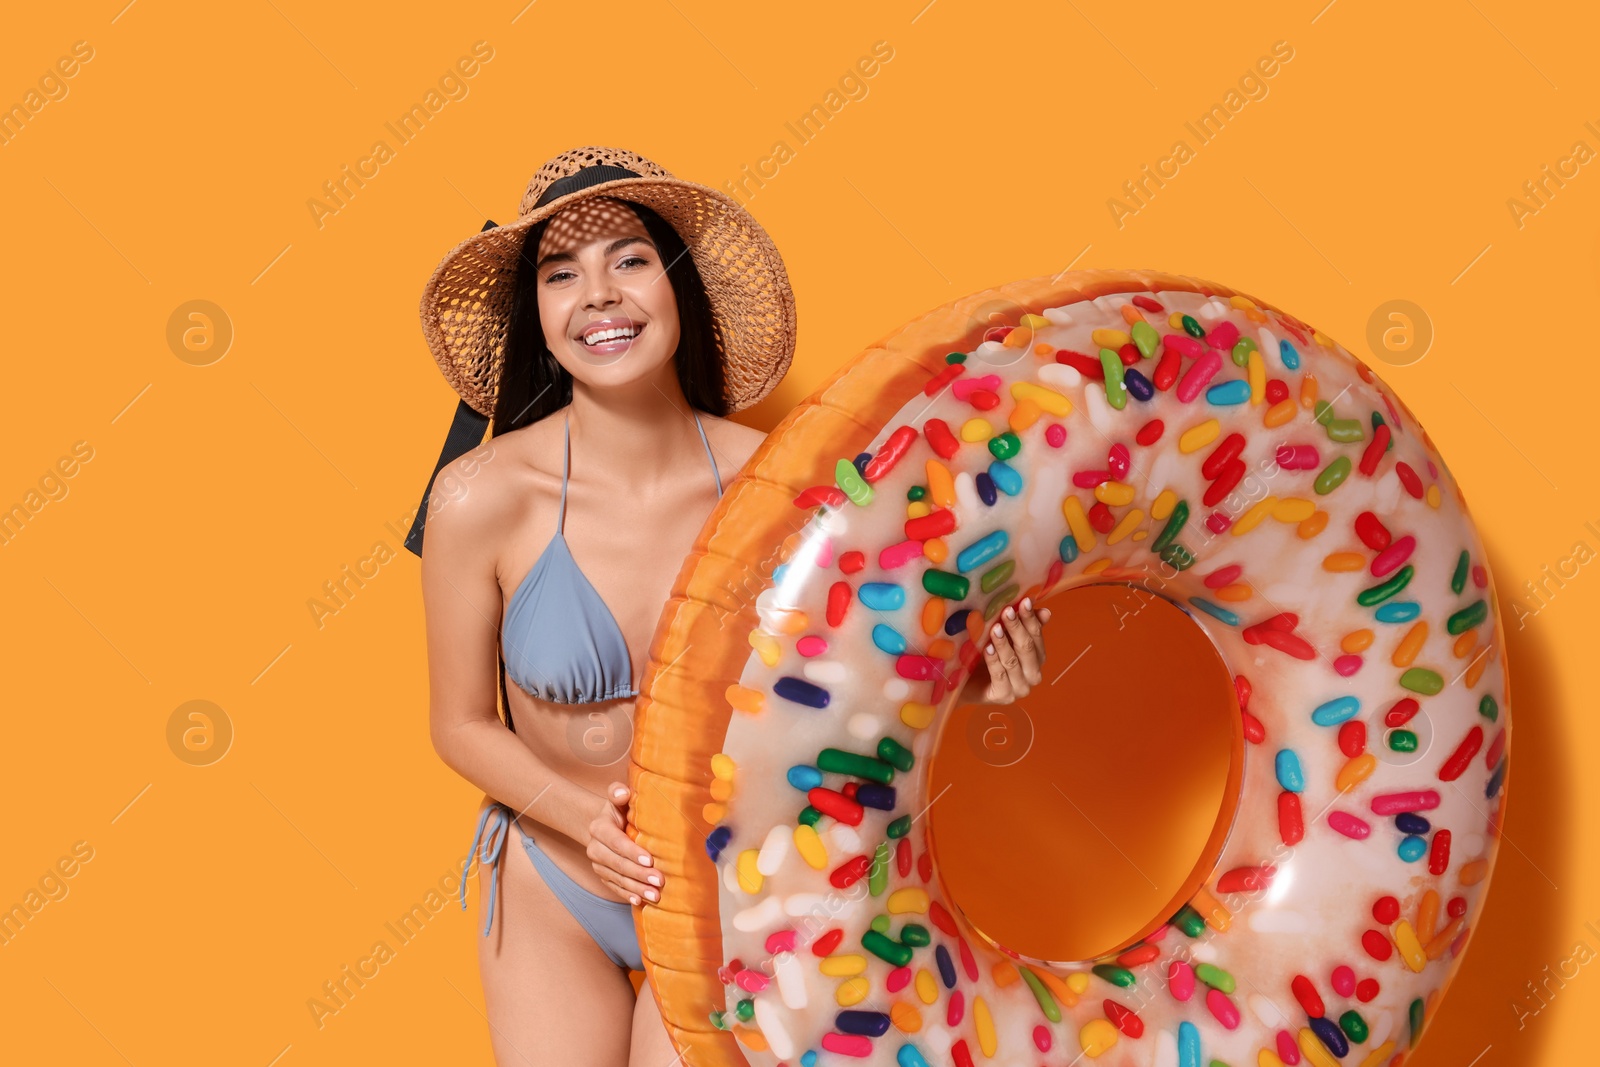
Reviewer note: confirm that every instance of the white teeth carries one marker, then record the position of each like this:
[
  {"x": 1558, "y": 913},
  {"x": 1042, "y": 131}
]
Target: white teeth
[{"x": 601, "y": 336}]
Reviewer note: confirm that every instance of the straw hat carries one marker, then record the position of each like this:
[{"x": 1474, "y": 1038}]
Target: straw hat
[{"x": 466, "y": 305}]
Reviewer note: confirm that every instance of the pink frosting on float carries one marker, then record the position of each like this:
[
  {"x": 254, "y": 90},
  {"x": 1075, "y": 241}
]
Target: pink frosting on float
[
  {"x": 963, "y": 388},
  {"x": 1391, "y": 558},
  {"x": 1183, "y": 344},
  {"x": 1119, "y": 459},
  {"x": 1199, "y": 373},
  {"x": 956, "y": 1009},
  {"x": 1223, "y": 1008},
  {"x": 1090, "y": 479},
  {"x": 1395, "y": 803},
  {"x": 1223, "y": 336},
  {"x": 811, "y": 645},
  {"x": 1180, "y": 979},
  {"x": 847, "y": 1044},
  {"x": 918, "y": 668},
  {"x": 1349, "y": 825},
  {"x": 899, "y": 555}
]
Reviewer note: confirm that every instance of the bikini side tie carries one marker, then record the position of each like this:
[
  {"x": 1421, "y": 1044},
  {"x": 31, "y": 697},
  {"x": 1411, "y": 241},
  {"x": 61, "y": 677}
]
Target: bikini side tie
[{"x": 493, "y": 843}]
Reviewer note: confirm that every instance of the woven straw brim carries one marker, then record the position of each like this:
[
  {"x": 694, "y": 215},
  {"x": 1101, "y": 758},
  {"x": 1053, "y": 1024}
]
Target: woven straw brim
[{"x": 466, "y": 305}]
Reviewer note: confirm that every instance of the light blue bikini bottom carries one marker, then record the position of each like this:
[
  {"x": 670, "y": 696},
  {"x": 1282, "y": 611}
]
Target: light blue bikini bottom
[{"x": 609, "y": 922}]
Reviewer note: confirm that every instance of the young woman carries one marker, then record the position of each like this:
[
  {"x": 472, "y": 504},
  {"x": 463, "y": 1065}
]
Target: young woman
[{"x": 627, "y": 334}]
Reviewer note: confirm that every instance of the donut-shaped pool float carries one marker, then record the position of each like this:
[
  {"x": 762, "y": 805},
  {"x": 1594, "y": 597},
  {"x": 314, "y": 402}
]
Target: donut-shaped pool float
[{"x": 1094, "y": 427}]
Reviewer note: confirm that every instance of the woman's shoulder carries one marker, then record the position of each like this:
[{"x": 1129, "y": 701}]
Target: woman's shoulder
[
  {"x": 491, "y": 485},
  {"x": 735, "y": 440}
]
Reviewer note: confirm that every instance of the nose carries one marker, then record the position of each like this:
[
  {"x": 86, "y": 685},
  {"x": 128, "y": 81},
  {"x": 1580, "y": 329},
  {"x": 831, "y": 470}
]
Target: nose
[{"x": 601, "y": 292}]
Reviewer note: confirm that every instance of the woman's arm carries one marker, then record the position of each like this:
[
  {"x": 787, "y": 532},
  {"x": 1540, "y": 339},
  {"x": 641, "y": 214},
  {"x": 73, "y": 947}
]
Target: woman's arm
[{"x": 461, "y": 599}]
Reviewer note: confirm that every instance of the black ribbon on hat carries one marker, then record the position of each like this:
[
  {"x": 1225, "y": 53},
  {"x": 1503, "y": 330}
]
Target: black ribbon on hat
[
  {"x": 467, "y": 426},
  {"x": 581, "y": 179}
]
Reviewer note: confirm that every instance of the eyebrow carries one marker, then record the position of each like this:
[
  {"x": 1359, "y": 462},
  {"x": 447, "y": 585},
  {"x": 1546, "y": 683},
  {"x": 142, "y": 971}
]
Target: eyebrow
[{"x": 568, "y": 257}]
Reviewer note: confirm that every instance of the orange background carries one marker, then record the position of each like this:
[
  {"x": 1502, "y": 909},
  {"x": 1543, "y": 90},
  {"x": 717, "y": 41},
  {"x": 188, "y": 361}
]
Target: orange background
[{"x": 177, "y": 563}]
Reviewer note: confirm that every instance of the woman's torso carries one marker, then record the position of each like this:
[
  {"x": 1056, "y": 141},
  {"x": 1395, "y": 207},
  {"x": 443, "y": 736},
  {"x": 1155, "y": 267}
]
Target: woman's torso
[{"x": 630, "y": 550}]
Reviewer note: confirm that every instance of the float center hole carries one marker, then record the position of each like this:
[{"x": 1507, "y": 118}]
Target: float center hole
[{"x": 1072, "y": 822}]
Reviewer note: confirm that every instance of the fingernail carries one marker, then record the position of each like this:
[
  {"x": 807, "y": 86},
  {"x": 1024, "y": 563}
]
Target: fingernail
[
  {"x": 618, "y": 792},
  {"x": 1011, "y": 612},
  {"x": 655, "y": 879},
  {"x": 1027, "y": 602},
  {"x": 633, "y": 899},
  {"x": 990, "y": 650},
  {"x": 651, "y": 893},
  {"x": 645, "y": 860},
  {"x": 996, "y": 631}
]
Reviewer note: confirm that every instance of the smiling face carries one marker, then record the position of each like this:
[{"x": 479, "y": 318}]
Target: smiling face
[{"x": 606, "y": 306}]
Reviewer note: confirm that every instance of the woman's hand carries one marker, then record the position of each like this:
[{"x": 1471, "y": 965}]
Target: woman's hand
[
  {"x": 622, "y": 864},
  {"x": 1011, "y": 658}
]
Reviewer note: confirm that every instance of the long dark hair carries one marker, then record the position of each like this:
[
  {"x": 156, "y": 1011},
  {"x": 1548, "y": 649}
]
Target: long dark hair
[{"x": 533, "y": 384}]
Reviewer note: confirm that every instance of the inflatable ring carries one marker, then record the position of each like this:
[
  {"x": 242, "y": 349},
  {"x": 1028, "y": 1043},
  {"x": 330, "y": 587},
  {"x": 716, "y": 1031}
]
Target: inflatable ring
[{"x": 1113, "y": 427}]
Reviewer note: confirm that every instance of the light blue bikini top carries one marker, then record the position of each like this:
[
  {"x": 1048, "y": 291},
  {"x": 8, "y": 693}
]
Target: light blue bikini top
[{"x": 560, "y": 641}]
